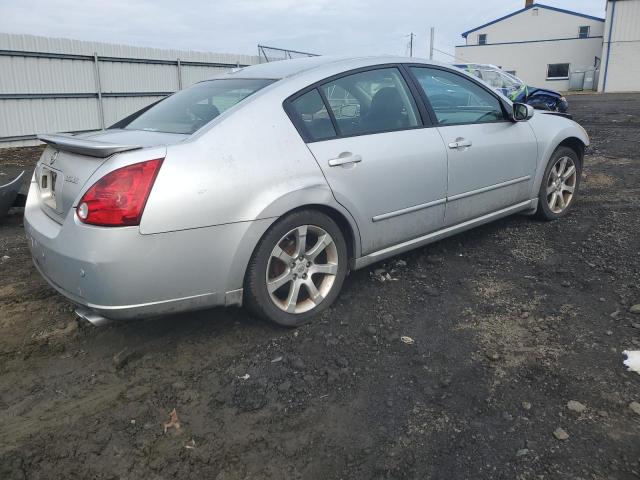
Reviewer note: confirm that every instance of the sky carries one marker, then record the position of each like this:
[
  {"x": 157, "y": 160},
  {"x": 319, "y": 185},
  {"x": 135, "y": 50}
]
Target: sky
[{"x": 329, "y": 27}]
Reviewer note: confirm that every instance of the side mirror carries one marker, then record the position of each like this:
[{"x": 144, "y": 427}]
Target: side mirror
[{"x": 522, "y": 112}]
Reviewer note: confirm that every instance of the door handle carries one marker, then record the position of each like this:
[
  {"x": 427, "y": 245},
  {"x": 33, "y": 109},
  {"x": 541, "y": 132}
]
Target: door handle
[
  {"x": 345, "y": 158},
  {"x": 460, "y": 143}
]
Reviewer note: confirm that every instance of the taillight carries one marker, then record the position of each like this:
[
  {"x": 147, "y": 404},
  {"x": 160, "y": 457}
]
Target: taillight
[{"x": 118, "y": 198}]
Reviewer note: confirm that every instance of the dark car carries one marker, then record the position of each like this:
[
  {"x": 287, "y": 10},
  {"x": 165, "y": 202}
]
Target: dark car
[{"x": 515, "y": 89}]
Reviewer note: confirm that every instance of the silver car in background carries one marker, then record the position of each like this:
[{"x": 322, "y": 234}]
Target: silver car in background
[{"x": 265, "y": 186}]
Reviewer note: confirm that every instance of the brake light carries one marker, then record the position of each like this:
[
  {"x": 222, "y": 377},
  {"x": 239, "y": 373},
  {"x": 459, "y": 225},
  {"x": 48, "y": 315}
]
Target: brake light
[{"x": 118, "y": 198}]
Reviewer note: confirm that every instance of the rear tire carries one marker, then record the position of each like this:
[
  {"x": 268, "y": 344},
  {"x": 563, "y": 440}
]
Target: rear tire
[
  {"x": 297, "y": 270},
  {"x": 559, "y": 185}
]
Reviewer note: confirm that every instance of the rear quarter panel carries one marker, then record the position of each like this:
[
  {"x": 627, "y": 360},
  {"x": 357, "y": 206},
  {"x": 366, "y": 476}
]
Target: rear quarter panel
[{"x": 249, "y": 165}]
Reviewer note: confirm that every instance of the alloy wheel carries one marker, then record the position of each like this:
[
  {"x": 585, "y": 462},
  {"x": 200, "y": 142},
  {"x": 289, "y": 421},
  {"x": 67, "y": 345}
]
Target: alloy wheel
[
  {"x": 302, "y": 269},
  {"x": 561, "y": 184}
]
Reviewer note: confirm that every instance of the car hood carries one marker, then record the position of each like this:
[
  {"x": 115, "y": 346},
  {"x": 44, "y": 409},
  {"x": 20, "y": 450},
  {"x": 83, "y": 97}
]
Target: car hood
[{"x": 533, "y": 90}]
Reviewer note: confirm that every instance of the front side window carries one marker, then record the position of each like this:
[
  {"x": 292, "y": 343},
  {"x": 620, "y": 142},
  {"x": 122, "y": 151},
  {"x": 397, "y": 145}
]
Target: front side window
[
  {"x": 456, "y": 99},
  {"x": 190, "y": 109},
  {"x": 584, "y": 32},
  {"x": 310, "y": 115},
  {"x": 370, "y": 102},
  {"x": 558, "y": 71},
  {"x": 482, "y": 39}
]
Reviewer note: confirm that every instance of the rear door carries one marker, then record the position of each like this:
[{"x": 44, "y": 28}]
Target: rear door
[
  {"x": 492, "y": 160},
  {"x": 380, "y": 159}
]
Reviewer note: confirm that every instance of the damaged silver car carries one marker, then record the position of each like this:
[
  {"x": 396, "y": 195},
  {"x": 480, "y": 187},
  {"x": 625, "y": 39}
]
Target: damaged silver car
[{"x": 265, "y": 186}]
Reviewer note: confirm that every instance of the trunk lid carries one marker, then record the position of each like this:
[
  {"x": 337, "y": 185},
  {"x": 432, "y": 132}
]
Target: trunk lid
[{"x": 69, "y": 161}]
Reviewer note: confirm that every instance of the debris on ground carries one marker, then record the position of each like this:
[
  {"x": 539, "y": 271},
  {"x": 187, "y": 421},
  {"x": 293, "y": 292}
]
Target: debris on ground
[
  {"x": 635, "y": 309},
  {"x": 575, "y": 406},
  {"x": 633, "y": 360},
  {"x": 124, "y": 357},
  {"x": 246, "y": 376},
  {"x": 560, "y": 434},
  {"x": 190, "y": 445},
  {"x": 407, "y": 340},
  {"x": 173, "y": 422}
]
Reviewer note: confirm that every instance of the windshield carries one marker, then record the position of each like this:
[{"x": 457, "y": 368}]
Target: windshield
[{"x": 188, "y": 110}]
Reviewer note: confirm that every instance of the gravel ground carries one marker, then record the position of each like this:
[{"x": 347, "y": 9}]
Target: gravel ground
[{"x": 511, "y": 322}]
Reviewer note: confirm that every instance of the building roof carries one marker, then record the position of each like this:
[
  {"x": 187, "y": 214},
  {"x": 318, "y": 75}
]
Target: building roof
[{"x": 535, "y": 5}]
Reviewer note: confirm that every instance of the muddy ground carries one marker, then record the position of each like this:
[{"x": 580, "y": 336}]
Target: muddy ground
[{"x": 510, "y": 321}]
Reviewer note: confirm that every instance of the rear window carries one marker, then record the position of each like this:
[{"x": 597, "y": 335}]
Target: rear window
[{"x": 188, "y": 110}]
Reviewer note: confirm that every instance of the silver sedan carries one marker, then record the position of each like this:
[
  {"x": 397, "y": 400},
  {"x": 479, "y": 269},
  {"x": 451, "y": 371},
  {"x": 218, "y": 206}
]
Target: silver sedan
[{"x": 265, "y": 186}]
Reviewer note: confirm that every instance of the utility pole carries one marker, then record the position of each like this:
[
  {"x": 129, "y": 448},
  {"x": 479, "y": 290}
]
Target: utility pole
[
  {"x": 431, "y": 44},
  {"x": 411, "y": 44}
]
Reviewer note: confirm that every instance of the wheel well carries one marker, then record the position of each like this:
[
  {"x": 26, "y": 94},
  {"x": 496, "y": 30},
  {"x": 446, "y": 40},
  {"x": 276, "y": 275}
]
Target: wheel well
[
  {"x": 340, "y": 219},
  {"x": 576, "y": 145}
]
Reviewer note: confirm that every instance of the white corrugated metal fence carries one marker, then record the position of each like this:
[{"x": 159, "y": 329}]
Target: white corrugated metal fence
[{"x": 60, "y": 85}]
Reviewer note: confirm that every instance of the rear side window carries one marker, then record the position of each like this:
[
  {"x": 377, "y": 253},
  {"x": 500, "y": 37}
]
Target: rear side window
[
  {"x": 372, "y": 101},
  {"x": 456, "y": 99},
  {"x": 188, "y": 110},
  {"x": 311, "y": 116}
]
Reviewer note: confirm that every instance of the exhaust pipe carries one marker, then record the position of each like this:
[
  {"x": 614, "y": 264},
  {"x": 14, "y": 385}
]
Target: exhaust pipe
[{"x": 92, "y": 317}]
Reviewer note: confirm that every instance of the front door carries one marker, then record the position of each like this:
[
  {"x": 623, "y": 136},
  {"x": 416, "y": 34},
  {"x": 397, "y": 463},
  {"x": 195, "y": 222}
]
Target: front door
[{"x": 492, "y": 160}]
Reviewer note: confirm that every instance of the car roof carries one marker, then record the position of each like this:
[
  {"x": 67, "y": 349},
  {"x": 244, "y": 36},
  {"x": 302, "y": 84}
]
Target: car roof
[{"x": 288, "y": 68}]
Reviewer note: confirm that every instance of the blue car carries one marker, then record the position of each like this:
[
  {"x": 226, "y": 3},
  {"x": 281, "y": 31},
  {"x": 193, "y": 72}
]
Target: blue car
[{"x": 515, "y": 89}]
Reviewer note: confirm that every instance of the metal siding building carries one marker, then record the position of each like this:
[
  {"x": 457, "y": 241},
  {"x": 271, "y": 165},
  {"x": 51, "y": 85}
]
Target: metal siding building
[
  {"x": 621, "y": 48},
  {"x": 529, "y": 40},
  {"x": 61, "y": 85}
]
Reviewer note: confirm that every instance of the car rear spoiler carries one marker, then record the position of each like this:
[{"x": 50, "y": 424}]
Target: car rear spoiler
[{"x": 84, "y": 146}]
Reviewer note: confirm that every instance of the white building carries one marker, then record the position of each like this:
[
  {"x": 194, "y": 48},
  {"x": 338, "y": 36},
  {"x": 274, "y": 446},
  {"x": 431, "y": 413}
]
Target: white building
[
  {"x": 620, "y": 70},
  {"x": 541, "y": 44}
]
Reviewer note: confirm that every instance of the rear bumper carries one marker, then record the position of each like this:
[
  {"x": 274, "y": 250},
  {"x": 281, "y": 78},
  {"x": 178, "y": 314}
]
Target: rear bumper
[
  {"x": 121, "y": 274},
  {"x": 101, "y": 313}
]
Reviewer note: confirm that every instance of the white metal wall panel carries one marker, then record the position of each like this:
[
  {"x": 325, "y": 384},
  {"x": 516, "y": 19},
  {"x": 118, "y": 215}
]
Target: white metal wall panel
[
  {"x": 138, "y": 77},
  {"x": 25, "y": 117},
  {"x": 621, "y": 68},
  {"x": 32, "y": 43},
  {"x": 193, "y": 74},
  {"x": 119, "y": 107},
  {"x": 626, "y": 25},
  {"x": 46, "y": 75},
  {"x": 39, "y": 75}
]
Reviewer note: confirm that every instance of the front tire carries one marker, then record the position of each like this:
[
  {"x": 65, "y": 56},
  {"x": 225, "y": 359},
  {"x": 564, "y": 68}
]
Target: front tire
[
  {"x": 560, "y": 184},
  {"x": 297, "y": 270}
]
